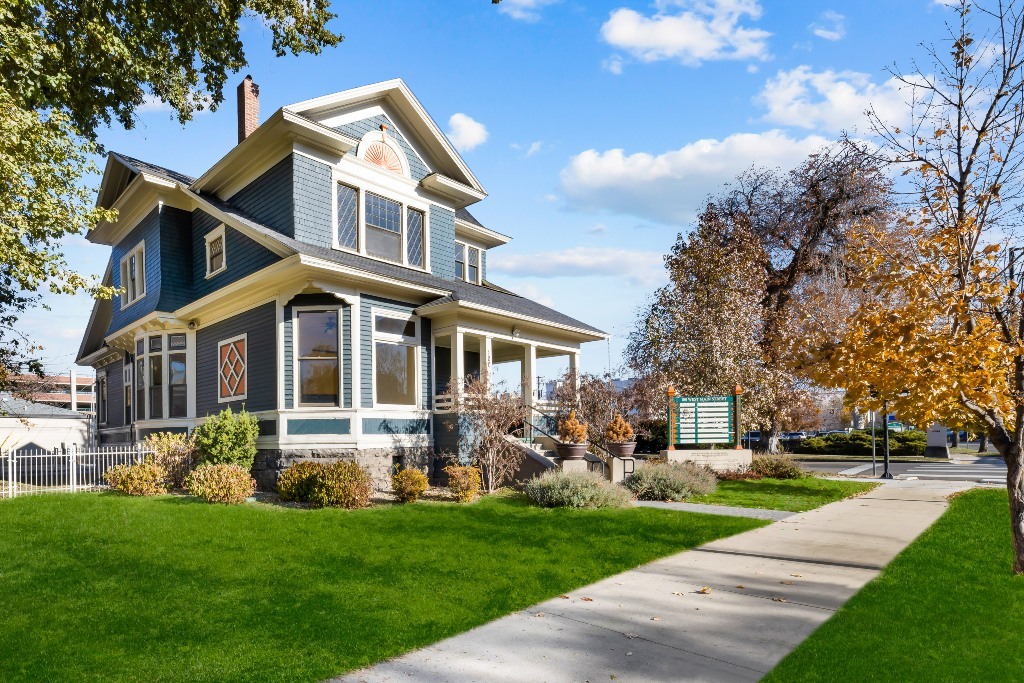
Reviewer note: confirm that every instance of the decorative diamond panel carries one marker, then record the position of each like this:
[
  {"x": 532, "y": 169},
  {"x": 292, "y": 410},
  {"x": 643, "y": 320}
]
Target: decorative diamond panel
[{"x": 232, "y": 369}]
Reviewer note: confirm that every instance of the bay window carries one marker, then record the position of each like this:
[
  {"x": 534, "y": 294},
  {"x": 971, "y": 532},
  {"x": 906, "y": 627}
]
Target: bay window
[
  {"x": 317, "y": 346},
  {"x": 161, "y": 376},
  {"x": 396, "y": 359}
]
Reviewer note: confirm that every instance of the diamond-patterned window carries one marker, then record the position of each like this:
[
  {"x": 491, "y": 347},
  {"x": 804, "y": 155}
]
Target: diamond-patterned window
[
  {"x": 231, "y": 369},
  {"x": 348, "y": 216},
  {"x": 414, "y": 238}
]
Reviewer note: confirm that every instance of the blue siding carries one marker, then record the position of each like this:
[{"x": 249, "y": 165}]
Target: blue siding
[
  {"x": 391, "y": 425},
  {"x": 357, "y": 129},
  {"x": 331, "y": 425},
  {"x": 242, "y": 255},
  {"x": 115, "y": 394},
  {"x": 369, "y": 302},
  {"x": 175, "y": 259},
  {"x": 329, "y": 301},
  {"x": 148, "y": 231},
  {"x": 260, "y": 324},
  {"x": 442, "y": 242},
  {"x": 268, "y": 199},
  {"x": 314, "y": 214}
]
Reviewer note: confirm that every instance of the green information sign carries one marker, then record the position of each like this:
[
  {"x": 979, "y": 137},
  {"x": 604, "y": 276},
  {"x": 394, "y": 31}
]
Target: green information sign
[{"x": 704, "y": 420}]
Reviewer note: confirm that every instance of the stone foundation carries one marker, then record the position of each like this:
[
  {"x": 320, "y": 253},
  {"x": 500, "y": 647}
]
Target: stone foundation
[
  {"x": 718, "y": 459},
  {"x": 379, "y": 461}
]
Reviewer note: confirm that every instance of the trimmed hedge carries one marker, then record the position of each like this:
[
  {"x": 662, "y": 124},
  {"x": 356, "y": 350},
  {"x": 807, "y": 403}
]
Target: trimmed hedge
[{"x": 859, "y": 443}]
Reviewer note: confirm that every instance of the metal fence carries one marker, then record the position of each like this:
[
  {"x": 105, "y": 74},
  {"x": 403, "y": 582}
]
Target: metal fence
[{"x": 25, "y": 472}]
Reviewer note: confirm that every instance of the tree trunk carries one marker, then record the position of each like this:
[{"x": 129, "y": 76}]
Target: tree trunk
[
  {"x": 983, "y": 443},
  {"x": 954, "y": 441},
  {"x": 770, "y": 443},
  {"x": 1015, "y": 487}
]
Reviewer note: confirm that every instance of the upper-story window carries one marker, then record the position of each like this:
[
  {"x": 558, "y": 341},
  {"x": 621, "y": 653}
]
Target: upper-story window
[
  {"x": 216, "y": 258},
  {"x": 382, "y": 227},
  {"x": 133, "y": 275},
  {"x": 467, "y": 263}
]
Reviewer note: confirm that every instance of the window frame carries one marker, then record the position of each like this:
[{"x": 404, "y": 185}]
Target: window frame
[
  {"x": 397, "y": 340},
  {"x": 218, "y": 232},
  {"x": 102, "y": 406},
  {"x": 143, "y": 369},
  {"x": 406, "y": 201},
  {"x": 296, "y": 358},
  {"x": 139, "y": 252},
  {"x": 465, "y": 248},
  {"x": 128, "y": 389},
  {"x": 245, "y": 368}
]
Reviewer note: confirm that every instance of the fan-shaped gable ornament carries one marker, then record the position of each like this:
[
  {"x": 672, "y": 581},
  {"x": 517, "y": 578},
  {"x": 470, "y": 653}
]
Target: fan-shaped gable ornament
[{"x": 383, "y": 155}]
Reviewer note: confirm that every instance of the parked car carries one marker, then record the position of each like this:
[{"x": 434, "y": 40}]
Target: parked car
[
  {"x": 750, "y": 437},
  {"x": 794, "y": 436}
]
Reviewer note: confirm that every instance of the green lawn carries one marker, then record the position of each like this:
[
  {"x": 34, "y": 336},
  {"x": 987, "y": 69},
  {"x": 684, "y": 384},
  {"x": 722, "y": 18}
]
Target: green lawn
[
  {"x": 793, "y": 495},
  {"x": 946, "y": 609},
  {"x": 105, "y": 587}
]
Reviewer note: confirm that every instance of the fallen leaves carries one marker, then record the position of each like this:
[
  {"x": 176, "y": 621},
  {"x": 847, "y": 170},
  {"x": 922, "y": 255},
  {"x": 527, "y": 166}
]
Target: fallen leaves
[
  {"x": 706, "y": 590},
  {"x": 655, "y": 618},
  {"x": 587, "y": 599}
]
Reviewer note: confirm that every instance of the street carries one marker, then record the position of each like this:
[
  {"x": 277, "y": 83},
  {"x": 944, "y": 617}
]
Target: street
[{"x": 985, "y": 469}]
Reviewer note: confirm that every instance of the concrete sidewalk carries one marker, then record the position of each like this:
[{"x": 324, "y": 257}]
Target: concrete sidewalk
[{"x": 766, "y": 591}]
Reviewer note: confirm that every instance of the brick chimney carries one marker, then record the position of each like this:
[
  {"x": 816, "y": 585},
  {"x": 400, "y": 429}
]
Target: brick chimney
[{"x": 248, "y": 107}]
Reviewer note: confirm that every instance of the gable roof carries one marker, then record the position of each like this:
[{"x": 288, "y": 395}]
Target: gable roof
[
  {"x": 140, "y": 166},
  {"x": 12, "y": 406}
]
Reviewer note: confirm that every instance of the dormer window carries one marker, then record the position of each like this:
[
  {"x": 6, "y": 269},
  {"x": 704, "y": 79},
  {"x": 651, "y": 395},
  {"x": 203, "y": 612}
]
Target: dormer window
[
  {"x": 467, "y": 263},
  {"x": 215, "y": 252},
  {"x": 133, "y": 275}
]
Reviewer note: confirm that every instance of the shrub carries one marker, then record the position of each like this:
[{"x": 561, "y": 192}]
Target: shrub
[
  {"x": 220, "y": 483},
  {"x": 776, "y": 467},
  {"x": 141, "y": 479},
  {"x": 571, "y": 430},
  {"x": 409, "y": 485},
  {"x": 296, "y": 482},
  {"x": 342, "y": 484},
  {"x": 671, "y": 481},
  {"x": 175, "y": 454},
  {"x": 575, "y": 490},
  {"x": 651, "y": 436},
  {"x": 741, "y": 474},
  {"x": 618, "y": 430},
  {"x": 464, "y": 481},
  {"x": 228, "y": 439}
]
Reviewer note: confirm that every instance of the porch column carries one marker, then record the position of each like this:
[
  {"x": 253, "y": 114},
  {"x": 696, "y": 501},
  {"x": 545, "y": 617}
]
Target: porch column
[
  {"x": 574, "y": 369},
  {"x": 530, "y": 375},
  {"x": 485, "y": 362},
  {"x": 458, "y": 359}
]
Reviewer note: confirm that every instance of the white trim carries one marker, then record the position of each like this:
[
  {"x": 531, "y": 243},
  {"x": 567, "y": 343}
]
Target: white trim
[
  {"x": 139, "y": 252},
  {"x": 465, "y": 246},
  {"x": 245, "y": 368},
  {"x": 372, "y": 137},
  {"x": 397, "y": 340},
  {"x": 296, "y": 377},
  {"x": 220, "y": 232}
]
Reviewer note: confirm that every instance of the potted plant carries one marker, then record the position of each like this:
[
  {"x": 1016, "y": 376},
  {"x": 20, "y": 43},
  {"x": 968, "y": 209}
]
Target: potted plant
[
  {"x": 619, "y": 435},
  {"x": 573, "y": 435}
]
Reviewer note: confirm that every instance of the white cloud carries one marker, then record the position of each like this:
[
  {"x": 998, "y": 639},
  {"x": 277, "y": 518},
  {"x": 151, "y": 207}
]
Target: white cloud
[
  {"x": 830, "y": 100},
  {"x": 152, "y": 103},
  {"x": 465, "y": 133},
  {"x": 613, "y": 65},
  {"x": 691, "y": 31},
  {"x": 638, "y": 267},
  {"x": 831, "y": 25},
  {"x": 671, "y": 187},
  {"x": 524, "y": 10},
  {"x": 530, "y": 149},
  {"x": 598, "y": 229}
]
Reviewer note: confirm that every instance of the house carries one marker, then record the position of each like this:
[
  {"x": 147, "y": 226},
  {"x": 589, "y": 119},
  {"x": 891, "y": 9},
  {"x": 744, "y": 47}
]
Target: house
[
  {"x": 72, "y": 392},
  {"x": 326, "y": 274},
  {"x": 27, "y": 425}
]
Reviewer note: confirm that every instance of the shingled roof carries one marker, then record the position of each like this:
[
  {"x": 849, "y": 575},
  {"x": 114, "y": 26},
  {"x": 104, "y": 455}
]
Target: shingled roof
[
  {"x": 140, "y": 166},
  {"x": 12, "y": 406}
]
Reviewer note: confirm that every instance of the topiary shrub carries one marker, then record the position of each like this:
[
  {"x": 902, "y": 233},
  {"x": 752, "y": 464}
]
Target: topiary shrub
[
  {"x": 671, "y": 481},
  {"x": 296, "y": 482},
  {"x": 141, "y": 479},
  {"x": 220, "y": 483},
  {"x": 464, "y": 481},
  {"x": 228, "y": 438},
  {"x": 175, "y": 454},
  {"x": 557, "y": 488},
  {"x": 571, "y": 430},
  {"x": 618, "y": 430},
  {"x": 409, "y": 485},
  {"x": 776, "y": 467},
  {"x": 342, "y": 484}
]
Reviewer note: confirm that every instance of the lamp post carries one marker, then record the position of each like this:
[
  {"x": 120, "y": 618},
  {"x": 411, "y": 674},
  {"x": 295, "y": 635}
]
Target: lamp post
[{"x": 886, "y": 474}]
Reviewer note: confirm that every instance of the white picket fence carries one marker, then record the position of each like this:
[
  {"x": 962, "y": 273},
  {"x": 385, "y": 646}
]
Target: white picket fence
[{"x": 25, "y": 472}]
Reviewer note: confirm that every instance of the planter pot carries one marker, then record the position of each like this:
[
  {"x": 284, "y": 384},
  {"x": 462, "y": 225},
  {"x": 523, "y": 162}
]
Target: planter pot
[
  {"x": 571, "y": 451},
  {"x": 622, "y": 449}
]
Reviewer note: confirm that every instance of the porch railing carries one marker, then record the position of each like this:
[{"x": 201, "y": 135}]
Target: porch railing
[{"x": 70, "y": 470}]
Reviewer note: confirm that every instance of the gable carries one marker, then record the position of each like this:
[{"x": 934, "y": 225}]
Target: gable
[{"x": 418, "y": 169}]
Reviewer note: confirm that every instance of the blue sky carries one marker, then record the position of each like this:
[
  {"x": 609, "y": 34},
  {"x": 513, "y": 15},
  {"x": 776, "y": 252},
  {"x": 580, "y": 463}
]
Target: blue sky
[{"x": 597, "y": 128}]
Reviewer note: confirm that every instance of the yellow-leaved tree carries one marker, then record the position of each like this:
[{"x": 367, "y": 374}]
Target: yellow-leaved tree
[{"x": 940, "y": 333}]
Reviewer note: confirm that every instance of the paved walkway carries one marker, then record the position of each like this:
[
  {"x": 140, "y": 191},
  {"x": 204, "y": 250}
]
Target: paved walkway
[
  {"x": 755, "y": 513},
  {"x": 766, "y": 591}
]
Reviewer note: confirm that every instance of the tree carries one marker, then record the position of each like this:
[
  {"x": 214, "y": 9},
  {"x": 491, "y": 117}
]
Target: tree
[
  {"x": 69, "y": 68},
  {"x": 487, "y": 416},
  {"x": 946, "y": 326},
  {"x": 761, "y": 253}
]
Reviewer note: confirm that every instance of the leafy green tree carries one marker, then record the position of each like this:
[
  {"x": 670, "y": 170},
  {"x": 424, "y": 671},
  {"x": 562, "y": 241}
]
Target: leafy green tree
[{"x": 69, "y": 68}]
